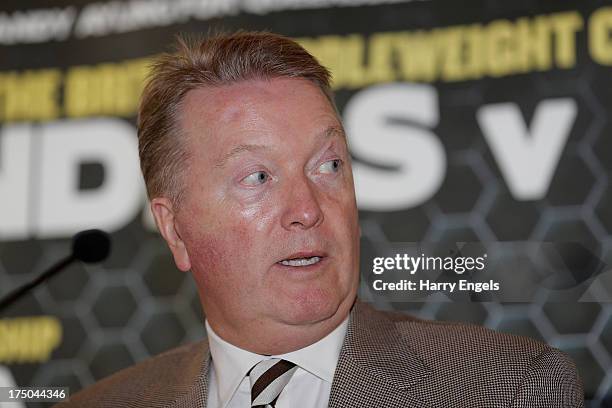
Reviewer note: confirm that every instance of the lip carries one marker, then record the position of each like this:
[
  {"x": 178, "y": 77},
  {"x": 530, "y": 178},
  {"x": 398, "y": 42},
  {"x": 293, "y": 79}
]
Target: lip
[
  {"x": 306, "y": 270},
  {"x": 305, "y": 254}
]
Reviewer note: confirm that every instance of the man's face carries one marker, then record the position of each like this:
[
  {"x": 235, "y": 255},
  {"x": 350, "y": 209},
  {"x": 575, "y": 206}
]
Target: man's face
[{"x": 269, "y": 221}]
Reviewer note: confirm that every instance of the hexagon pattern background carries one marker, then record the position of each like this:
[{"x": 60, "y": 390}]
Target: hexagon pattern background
[{"x": 137, "y": 304}]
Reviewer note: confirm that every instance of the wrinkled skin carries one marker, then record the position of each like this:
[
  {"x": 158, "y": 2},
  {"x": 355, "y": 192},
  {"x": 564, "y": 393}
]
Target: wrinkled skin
[{"x": 268, "y": 177}]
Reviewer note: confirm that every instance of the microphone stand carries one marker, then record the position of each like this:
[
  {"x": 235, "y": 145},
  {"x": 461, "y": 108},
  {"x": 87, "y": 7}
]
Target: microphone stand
[
  {"x": 19, "y": 292},
  {"x": 88, "y": 246}
]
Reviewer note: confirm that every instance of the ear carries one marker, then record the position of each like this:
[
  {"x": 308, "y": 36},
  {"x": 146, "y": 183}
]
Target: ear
[{"x": 165, "y": 218}]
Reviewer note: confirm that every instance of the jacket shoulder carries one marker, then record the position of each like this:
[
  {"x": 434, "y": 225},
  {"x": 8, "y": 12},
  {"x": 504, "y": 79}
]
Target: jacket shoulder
[
  {"x": 156, "y": 382},
  {"x": 510, "y": 370},
  {"x": 437, "y": 342},
  {"x": 459, "y": 335}
]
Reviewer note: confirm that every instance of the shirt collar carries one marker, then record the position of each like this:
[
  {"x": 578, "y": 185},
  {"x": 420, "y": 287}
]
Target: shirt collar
[
  {"x": 320, "y": 358},
  {"x": 232, "y": 363}
]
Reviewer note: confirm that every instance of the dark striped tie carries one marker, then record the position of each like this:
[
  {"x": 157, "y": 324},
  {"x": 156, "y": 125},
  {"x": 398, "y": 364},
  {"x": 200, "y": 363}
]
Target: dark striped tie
[{"x": 268, "y": 378}]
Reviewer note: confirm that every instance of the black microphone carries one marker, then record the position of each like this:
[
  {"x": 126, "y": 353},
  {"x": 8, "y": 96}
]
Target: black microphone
[{"x": 87, "y": 246}]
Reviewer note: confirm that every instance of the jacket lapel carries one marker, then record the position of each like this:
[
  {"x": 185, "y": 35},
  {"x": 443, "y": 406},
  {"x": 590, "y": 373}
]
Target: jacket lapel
[
  {"x": 196, "y": 374},
  {"x": 376, "y": 366}
]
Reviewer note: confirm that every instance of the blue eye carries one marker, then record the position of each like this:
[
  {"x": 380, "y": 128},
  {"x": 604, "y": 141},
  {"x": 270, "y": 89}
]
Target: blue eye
[
  {"x": 253, "y": 179},
  {"x": 332, "y": 166}
]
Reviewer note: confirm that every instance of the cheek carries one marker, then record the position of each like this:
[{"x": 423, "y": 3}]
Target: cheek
[
  {"x": 253, "y": 214},
  {"x": 207, "y": 256},
  {"x": 222, "y": 256},
  {"x": 342, "y": 211},
  {"x": 344, "y": 222},
  {"x": 219, "y": 230}
]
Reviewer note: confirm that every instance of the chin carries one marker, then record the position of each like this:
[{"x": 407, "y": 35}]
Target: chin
[{"x": 312, "y": 307}]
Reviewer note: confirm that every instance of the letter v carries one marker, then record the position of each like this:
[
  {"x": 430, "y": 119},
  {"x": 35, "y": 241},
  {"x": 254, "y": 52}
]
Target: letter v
[{"x": 527, "y": 158}]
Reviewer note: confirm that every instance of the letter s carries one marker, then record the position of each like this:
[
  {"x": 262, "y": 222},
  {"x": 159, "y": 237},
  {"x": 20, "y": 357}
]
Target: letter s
[{"x": 389, "y": 126}]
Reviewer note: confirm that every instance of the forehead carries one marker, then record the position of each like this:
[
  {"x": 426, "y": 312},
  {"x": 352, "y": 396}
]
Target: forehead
[{"x": 255, "y": 109}]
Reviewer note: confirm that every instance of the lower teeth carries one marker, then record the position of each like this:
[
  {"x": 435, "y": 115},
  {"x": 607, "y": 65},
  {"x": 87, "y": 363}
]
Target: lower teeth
[{"x": 301, "y": 262}]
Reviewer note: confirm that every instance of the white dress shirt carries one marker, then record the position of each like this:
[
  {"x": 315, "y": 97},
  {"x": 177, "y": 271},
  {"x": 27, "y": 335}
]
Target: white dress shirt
[{"x": 309, "y": 387}]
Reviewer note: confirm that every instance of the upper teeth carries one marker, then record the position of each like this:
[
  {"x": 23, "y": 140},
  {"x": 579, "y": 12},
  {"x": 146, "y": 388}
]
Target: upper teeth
[{"x": 301, "y": 261}]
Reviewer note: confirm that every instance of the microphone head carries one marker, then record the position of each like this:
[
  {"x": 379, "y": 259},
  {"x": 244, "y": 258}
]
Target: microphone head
[{"x": 91, "y": 246}]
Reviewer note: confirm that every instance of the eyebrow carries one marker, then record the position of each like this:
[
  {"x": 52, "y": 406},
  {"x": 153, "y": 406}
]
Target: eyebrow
[
  {"x": 335, "y": 130},
  {"x": 238, "y": 150},
  {"x": 327, "y": 133}
]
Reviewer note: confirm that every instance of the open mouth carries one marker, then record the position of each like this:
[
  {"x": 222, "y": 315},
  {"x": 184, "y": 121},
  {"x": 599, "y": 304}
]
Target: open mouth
[{"x": 301, "y": 261}]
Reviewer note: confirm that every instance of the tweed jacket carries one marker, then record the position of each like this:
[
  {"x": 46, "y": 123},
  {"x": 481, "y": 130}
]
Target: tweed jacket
[{"x": 387, "y": 360}]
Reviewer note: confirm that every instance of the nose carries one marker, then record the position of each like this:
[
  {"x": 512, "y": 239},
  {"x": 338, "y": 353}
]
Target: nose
[{"x": 302, "y": 210}]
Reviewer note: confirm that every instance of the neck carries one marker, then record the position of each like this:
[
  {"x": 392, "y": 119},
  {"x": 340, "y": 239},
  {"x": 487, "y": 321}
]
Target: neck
[{"x": 275, "y": 338}]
